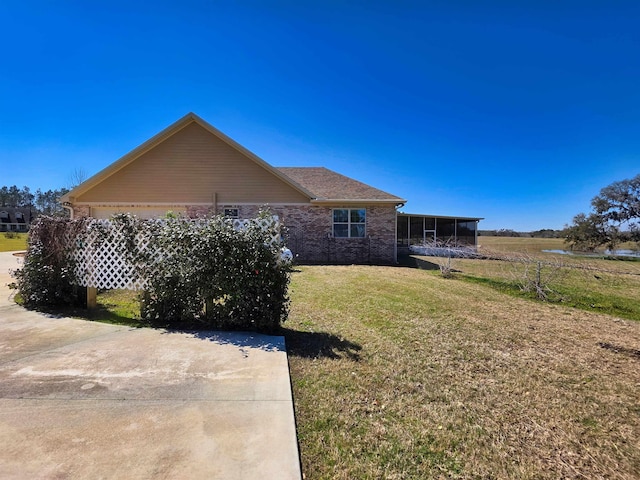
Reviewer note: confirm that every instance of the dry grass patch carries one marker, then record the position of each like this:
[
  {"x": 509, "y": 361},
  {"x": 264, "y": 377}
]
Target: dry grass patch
[
  {"x": 521, "y": 244},
  {"x": 399, "y": 373}
]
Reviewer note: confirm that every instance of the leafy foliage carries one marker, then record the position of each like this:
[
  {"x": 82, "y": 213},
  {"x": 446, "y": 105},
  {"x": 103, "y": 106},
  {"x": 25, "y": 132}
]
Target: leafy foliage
[
  {"x": 47, "y": 277},
  {"x": 619, "y": 203},
  {"x": 615, "y": 218},
  {"x": 589, "y": 232},
  {"x": 218, "y": 277}
]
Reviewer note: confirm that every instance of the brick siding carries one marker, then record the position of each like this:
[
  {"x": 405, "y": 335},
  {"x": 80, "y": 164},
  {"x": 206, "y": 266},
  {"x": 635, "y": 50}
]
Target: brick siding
[
  {"x": 309, "y": 232},
  {"x": 80, "y": 211}
]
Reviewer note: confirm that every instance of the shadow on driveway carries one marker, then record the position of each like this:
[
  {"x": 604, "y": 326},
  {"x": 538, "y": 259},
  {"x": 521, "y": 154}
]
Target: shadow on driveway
[{"x": 299, "y": 344}]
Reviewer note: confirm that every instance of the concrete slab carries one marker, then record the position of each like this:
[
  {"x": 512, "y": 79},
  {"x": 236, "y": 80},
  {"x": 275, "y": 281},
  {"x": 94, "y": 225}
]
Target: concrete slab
[{"x": 88, "y": 400}]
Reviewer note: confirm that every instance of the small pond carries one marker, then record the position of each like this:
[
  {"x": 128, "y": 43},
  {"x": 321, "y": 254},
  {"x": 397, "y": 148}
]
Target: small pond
[{"x": 612, "y": 253}]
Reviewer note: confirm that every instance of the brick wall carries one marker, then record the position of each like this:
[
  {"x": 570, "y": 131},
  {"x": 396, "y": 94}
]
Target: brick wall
[
  {"x": 80, "y": 211},
  {"x": 310, "y": 236},
  {"x": 309, "y": 232},
  {"x": 196, "y": 211}
]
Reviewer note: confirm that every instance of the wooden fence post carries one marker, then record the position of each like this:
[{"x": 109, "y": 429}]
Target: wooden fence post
[{"x": 92, "y": 297}]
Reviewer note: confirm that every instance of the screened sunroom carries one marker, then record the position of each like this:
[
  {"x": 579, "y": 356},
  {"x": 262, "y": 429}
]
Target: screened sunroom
[{"x": 417, "y": 230}]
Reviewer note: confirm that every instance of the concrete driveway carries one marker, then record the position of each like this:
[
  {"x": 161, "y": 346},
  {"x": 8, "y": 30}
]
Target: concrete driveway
[{"x": 81, "y": 399}]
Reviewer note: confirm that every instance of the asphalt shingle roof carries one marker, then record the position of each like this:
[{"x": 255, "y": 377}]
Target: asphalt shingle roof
[{"x": 326, "y": 184}]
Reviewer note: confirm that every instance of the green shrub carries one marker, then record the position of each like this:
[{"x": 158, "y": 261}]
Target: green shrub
[
  {"x": 47, "y": 277},
  {"x": 216, "y": 276},
  {"x": 197, "y": 273}
]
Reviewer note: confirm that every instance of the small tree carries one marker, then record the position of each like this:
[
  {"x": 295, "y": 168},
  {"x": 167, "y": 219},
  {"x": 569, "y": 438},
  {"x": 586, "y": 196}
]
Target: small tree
[
  {"x": 216, "y": 275},
  {"x": 535, "y": 276},
  {"x": 443, "y": 252},
  {"x": 77, "y": 177}
]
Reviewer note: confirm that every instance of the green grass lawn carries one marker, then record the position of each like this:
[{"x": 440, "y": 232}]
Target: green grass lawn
[
  {"x": 609, "y": 286},
  {"x": 400, "y": 373},
  {"x": 13, "y": 242}
]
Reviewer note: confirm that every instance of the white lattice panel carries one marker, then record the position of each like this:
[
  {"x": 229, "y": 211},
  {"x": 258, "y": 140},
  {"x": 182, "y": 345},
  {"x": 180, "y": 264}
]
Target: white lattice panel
[{"x": 101, "y": 263}]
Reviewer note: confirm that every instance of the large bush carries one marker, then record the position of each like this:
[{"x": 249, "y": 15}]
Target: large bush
[
  {"x": 48, "y": 275},
  {"x": 215, "y": 275},
  {"x": 202, "y": 273}
]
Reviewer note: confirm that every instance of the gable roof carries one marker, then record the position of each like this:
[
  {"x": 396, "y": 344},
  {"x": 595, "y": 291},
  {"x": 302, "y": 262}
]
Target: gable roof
[
  {"x": 318, "y": 184},
  {"x": 161, "y": 137},
  {"x": 329, "y": 186}
]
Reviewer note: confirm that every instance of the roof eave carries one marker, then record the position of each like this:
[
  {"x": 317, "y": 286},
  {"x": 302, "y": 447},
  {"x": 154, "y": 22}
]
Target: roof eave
[
  {"x": 358, "y": 201},
  {"x": 458, "y": 217}
]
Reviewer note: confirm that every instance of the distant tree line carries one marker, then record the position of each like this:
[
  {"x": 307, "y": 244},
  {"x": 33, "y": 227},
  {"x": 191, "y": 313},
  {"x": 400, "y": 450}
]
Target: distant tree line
[
  {"x": 40, "y": 202},
  {"x": 505, "y": 232}
]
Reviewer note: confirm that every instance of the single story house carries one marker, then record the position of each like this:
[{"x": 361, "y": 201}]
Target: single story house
[
  {"x": 15, "y": 219},
  {"x": 194, "y": 169}
]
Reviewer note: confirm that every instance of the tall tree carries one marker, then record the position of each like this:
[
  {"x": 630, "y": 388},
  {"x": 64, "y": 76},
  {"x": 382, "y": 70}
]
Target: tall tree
[
  {"x": 615, "y": 218},
  {"x": 26, "y": 197},
  {"x": 14, "y": 196},
  {"x": 619, "y": 203}
]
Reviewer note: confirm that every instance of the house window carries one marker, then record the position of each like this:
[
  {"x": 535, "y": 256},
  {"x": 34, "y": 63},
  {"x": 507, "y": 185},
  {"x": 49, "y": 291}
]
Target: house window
[
  {"x": 4, "y": 217},
  {"x": 231, "y": 212},
  {"x": 349, "y": 222}
]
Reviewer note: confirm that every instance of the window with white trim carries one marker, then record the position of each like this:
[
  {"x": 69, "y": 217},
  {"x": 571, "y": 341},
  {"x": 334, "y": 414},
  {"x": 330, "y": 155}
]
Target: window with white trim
[{"x": 349, "y": 222}]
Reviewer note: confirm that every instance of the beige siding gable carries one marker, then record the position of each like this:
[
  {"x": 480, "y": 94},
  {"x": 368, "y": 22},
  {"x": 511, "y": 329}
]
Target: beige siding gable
[{"x": 193, "y": 166}]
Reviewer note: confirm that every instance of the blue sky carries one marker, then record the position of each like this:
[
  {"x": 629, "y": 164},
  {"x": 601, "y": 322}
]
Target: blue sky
[{"x": 518, "y": 112}]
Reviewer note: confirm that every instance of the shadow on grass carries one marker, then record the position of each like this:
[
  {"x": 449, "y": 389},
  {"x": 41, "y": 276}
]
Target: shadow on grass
[
  {"x": 632, "y": 352},
  {"x": 298, "y": 344},
  {"x": 499, "y": 285},
  {"x": 105, "y": 315},
  {"x": 412, "y": 261},
  {"x": 319, "y": 345}
]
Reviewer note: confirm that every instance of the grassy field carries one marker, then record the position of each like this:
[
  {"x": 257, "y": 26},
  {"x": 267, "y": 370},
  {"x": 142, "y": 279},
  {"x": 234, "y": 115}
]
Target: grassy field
[
  {"x": 11, "y": 244},
  {"x": 400, "y": 373},
  {"x": 521, "y": 244},
  {"x": 531, "y": 245},
  {"x": 593, "y": 284}
]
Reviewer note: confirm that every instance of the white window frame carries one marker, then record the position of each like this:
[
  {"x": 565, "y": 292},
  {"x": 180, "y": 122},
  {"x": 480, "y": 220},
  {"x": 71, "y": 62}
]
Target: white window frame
[{"x": 349, "y": 223}]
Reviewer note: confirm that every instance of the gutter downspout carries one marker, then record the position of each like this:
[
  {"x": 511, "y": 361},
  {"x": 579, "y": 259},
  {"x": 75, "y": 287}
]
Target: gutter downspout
[
  {"x": 395, "y": 228},
  {"x": 68, "y": 206}
]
